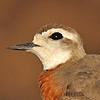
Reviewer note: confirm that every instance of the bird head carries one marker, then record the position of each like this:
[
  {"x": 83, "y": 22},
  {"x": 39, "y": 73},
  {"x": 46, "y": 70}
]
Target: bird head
[{"x": 54, "y": 44}]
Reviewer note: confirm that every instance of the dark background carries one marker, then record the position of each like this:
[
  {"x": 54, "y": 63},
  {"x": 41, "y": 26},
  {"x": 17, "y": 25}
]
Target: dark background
[{"x": 20, "y": 20}]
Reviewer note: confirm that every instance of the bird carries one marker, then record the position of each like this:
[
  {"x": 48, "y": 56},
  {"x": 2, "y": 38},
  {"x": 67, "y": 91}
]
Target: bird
[{"x": 69, "y": 73}]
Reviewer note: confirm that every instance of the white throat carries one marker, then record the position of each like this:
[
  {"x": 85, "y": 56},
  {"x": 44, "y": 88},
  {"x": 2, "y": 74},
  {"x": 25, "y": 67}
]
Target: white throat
[{"x": 51, "y": 61}]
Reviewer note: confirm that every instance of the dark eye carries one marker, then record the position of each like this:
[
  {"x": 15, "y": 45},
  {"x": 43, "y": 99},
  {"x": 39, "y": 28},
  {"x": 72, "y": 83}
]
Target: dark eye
[{"x": 56, "y": 36}]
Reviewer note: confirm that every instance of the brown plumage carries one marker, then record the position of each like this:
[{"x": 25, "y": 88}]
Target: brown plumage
[
  {"x": 73, "y": 81},
  {"x": 69, "y": 73},
  {"x": 84, "y": 79},
  {"x": 54, "y": 25},
  {"x": 49, "y": 86}
]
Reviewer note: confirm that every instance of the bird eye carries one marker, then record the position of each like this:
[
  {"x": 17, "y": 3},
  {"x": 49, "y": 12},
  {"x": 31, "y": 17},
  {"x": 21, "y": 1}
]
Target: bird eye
[{"x": 56, "y": 36}]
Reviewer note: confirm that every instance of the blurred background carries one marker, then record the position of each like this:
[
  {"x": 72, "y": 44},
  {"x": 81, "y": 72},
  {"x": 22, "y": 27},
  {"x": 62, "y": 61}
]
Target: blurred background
[{"x": 20, "y": 20}]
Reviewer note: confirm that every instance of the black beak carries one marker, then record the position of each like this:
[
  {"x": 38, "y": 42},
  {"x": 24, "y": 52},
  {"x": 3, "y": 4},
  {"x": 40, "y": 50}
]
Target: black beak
[{"x": 25, "y": 46}]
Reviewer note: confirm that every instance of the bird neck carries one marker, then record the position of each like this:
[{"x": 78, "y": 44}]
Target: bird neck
[
  {"x": 49, "y": 85},
  {"x": 77, "y": 54}
]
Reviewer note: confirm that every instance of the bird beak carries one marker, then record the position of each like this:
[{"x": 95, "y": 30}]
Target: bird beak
[{"x": 24, "y": 47}]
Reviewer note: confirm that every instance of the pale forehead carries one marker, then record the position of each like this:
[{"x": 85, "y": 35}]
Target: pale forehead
[{"x": 64, "y": 32}]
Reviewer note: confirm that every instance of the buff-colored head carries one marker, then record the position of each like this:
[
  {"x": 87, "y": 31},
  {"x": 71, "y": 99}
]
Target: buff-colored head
[{"x": 54, "y": 44}]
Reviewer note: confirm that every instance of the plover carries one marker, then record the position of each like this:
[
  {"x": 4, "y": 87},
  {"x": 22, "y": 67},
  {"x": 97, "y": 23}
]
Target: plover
[{"x": 68, "y": 72}]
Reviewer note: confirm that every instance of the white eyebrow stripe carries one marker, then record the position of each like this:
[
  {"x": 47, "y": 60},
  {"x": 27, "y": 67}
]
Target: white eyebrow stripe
[{"x": 65, "y": 33}]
